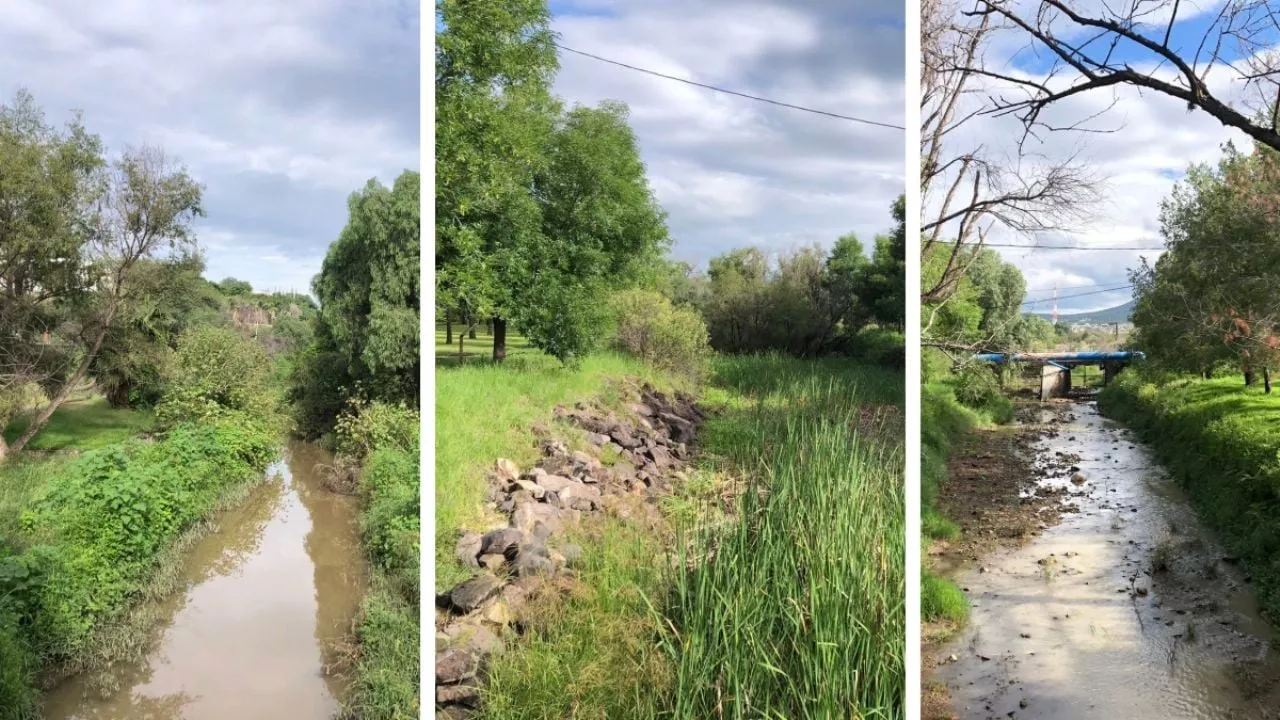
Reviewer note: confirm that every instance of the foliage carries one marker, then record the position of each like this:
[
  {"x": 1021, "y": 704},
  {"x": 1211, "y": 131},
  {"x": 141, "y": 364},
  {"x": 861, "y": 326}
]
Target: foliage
[
  {"x": 1221, "y": 442},
  {"x": 977, "y": 387},
  {"x": 661, "y": 334},
  {"x": 213, "y": 372},
  {"x": 89, "y": 541},
  {"x": 366, "y": 334},
  {"x": 799, "y": 611},
  {"x": 387, "y": 673},
  {"x": 232, "y": 287}
]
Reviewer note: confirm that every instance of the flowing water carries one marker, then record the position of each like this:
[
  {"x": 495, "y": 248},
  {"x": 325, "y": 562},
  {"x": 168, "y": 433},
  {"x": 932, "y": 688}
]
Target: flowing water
[
  {"x": 1126, "y": 609},
  {"x": 268, "y": 603}
]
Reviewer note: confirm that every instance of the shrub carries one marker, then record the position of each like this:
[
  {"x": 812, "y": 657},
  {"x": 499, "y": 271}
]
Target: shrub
[
  {"x": 978, "y": 388},
  {"x": 215, "y": 370},
  {"x": 661, "y": 334},
  {"x": 367, "y": 427}
]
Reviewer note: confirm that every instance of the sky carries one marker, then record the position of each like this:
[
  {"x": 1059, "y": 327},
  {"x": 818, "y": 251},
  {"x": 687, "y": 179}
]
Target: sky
[
  {"x": 281, "y": 109},
  {"x": 1153, "y": 140},
  {"x": 732, "y": 172}
]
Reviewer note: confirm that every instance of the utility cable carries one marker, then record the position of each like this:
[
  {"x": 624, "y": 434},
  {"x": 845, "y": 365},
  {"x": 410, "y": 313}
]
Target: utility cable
[{"x": 779, "y": 103}]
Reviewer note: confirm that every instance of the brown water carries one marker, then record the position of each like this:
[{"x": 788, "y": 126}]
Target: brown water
[
  {"x": 269, "y": 601},
  {"x": 1081, "y": 623}
]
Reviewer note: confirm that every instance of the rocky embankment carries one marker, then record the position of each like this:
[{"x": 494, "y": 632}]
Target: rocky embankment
[{"x": 630, "y": 458}]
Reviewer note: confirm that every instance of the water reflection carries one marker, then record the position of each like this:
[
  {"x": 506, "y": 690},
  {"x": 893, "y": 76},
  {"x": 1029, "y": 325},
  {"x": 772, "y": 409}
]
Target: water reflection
[{"x": 269, "y": 599}]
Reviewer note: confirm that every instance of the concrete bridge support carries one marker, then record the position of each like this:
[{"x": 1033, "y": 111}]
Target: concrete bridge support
[{"x": 1055, "y": 381}]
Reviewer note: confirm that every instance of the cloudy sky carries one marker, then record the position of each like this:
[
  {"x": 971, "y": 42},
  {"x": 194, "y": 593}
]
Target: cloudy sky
[
  {"x": 280, "y": 108},
  {"x": 1155, "y": 138},
  {"x": 733, "y": 172}
]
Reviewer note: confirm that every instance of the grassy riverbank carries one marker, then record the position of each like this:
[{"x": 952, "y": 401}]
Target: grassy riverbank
[
  {"x": 799, "y": 613},
  {"x": 82, "y": 535},
  {"x": 1221, "y": 441}
]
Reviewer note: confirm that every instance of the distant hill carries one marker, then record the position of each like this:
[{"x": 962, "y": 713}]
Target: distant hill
[{"x": 1118, "y": 314}]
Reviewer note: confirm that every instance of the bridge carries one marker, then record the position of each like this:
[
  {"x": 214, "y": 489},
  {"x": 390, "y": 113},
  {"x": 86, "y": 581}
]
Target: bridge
[{"x": 1055, "y": 378}]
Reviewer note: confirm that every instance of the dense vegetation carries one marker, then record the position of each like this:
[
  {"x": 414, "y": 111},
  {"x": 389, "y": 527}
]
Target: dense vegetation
[
  {"x": 552, "y": 250},
  {"x": 1220, "y": 440}
]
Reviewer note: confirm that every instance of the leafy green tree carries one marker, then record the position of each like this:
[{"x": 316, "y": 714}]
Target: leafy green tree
[
  {"x": 882, "y": 285},
  {"x": 366, "y": 335},
  {"x": 232, "y": 287},
  {"x": 215, "y": 371},
  {"x": 73, "y": 233}
]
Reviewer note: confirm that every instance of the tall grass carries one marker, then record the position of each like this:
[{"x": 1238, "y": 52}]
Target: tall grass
[
  {"x": 83, "y": 425},
  {"x": 797, "y": 611}
]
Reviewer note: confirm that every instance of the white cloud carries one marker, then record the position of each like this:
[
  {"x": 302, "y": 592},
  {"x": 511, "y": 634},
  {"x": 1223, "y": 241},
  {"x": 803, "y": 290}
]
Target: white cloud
[
  {"x": 280, "y": 108},
  {"x": 731, "y": 171}
]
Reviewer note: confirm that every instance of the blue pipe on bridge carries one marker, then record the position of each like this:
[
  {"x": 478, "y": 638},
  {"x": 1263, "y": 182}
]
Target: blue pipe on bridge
[{"x": 1062, "y": 358}]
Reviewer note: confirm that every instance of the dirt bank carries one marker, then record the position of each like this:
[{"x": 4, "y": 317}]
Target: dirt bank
[{"x": 1126, "y": 607}]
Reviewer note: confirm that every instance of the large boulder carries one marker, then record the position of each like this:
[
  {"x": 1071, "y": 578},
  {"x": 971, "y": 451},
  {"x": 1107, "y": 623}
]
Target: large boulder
[{"x": 473, "y": 593}]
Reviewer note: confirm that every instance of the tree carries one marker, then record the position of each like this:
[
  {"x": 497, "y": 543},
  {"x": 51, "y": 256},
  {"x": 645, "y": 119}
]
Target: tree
[
  {"x": 76, "y": 233},
  {"x": 367, "y": 331},
  {"x": 968, "y": 190},
  {"x": 1109, "y": 45},
  {"x": 232, "y": 287},
  {"x": 494, "y": 65},
  {"x": 882, "y": 286}
]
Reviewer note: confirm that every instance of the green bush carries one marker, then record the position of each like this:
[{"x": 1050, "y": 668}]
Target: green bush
[
  {"x": 213, "y": 371},
  {"x": 661, "y": 334},
  {"x": 366, "y": 427},
  {"x": 90, "y": 543},
  {"x": 979, "y": 388}
]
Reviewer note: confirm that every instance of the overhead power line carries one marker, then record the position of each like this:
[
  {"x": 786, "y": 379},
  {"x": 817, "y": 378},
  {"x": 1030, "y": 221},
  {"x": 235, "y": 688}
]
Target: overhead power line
[
  {"x": 1076, "y": 295},
  {"x": 1056, "y": 247},
  {"x": 779, "y": 103}
]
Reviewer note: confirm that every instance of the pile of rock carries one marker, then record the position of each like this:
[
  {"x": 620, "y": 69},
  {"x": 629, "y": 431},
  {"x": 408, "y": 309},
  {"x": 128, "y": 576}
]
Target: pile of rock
[{"x": 628, "y": 461}]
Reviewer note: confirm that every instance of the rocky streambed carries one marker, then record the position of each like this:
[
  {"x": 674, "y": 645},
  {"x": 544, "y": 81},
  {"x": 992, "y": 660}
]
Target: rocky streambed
[{"x": 627, "y": 460}]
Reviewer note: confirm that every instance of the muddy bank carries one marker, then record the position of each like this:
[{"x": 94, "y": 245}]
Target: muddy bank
[
  {"x": 262, "y": 624},
  {"x": 1124, "y": 608}
]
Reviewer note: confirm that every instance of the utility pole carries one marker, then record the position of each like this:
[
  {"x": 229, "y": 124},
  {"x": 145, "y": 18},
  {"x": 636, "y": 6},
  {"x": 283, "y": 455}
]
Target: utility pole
[{"x": 1055, "y": 304}]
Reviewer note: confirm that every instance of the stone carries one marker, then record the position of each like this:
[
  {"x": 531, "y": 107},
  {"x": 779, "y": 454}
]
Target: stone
[
  {"x": 531, "y": 565},
  {"x": 468, "y": 695},
  {"x": 499, "y": 614},
  {"x": 468, "y": 549},
  {"x": 681, "y": 430},
  {"x": 473, "y": 637},
  {"x": 521, "y": 496},
  {"x": 580, "y": 497},
  {"x": 454, "y": 666},
  {"x": 501, "y": 541},
  {"x": 554, "y": 483},
  {"x": 471, "y": 594},
  {"x": 538, "y": 519},
  {"x": 572, "y": 554},
  {"x": 506, "y": 470},
  {"x": 641, "y": 409},
  {"x": 585, "y": 460},
  {"x": 535, "y": 490},
  {"x": 493, "y": 561},
  {"x": 597, "y": 439},
  {"x": 660, "y": 457},
  {"x": 625, "y": 440}
]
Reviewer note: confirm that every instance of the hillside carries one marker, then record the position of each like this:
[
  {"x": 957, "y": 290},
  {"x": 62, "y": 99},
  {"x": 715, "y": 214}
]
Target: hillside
[{"x": 1117, "y": 314}]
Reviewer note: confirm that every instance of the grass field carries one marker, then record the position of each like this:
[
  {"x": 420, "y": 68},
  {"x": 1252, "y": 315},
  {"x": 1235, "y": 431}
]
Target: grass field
[
  {"x": 83, "y": 425},
  {"x": 798, "y": 614},
  {"x": 480, "y": 349},
  {"x": 1221, "y": 441}
]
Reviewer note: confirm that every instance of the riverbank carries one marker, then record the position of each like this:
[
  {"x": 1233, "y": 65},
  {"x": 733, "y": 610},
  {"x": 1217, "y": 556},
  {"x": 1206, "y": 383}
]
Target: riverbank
[
  {"x": 1221, "y": 441},
  {"x": 1125, "y": 607},
  {"x": 84, "y": 533},
  {"x": 603, "y": 642}
]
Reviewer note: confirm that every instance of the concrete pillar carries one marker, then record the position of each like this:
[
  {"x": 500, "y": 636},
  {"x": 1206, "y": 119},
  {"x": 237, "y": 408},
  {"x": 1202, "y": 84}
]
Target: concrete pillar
[{"x": 1054, "y": 381}]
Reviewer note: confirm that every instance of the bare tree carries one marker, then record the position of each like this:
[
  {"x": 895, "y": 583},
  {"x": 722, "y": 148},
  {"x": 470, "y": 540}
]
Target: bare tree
[
  {"x": 968, "y": 189},
  {"x": 146, "y": 208},
  {"x": 1132, "y": 42}
]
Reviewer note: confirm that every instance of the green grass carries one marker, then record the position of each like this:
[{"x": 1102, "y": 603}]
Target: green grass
[
  {"x": 484, "y": 412},
  {"x": 800, "y": 611},
  {"x": 1221, "y": 441},
  {"x": 83, "y": 425},
  {"x": 480, "y": 349},
  {"x": 941, "y": 599}
]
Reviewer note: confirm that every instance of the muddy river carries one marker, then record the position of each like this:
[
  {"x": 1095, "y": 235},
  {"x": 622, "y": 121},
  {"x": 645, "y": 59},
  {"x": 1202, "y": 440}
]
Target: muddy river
[
  {"x": 267, "y": 608},
  {"x": 1126, "y": 609}
]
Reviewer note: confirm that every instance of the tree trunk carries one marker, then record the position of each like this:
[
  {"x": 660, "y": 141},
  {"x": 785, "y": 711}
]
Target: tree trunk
[
  {"x": 448, "y": 328},
  {"x": 499, "y": 339},
  {"x": 1266, "y": 380},
  {"x": 65, "y": 391},
  {"x": 462, "y": 340},
  {"x": 472, "y": 332},
  {"x": 1248, "y": 377}
]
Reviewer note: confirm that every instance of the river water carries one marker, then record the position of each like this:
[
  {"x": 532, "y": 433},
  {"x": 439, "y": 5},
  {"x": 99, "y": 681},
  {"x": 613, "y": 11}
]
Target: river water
[
  {"x": 269, "y": 599},
  {"x": 1126, "y": 609}
]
